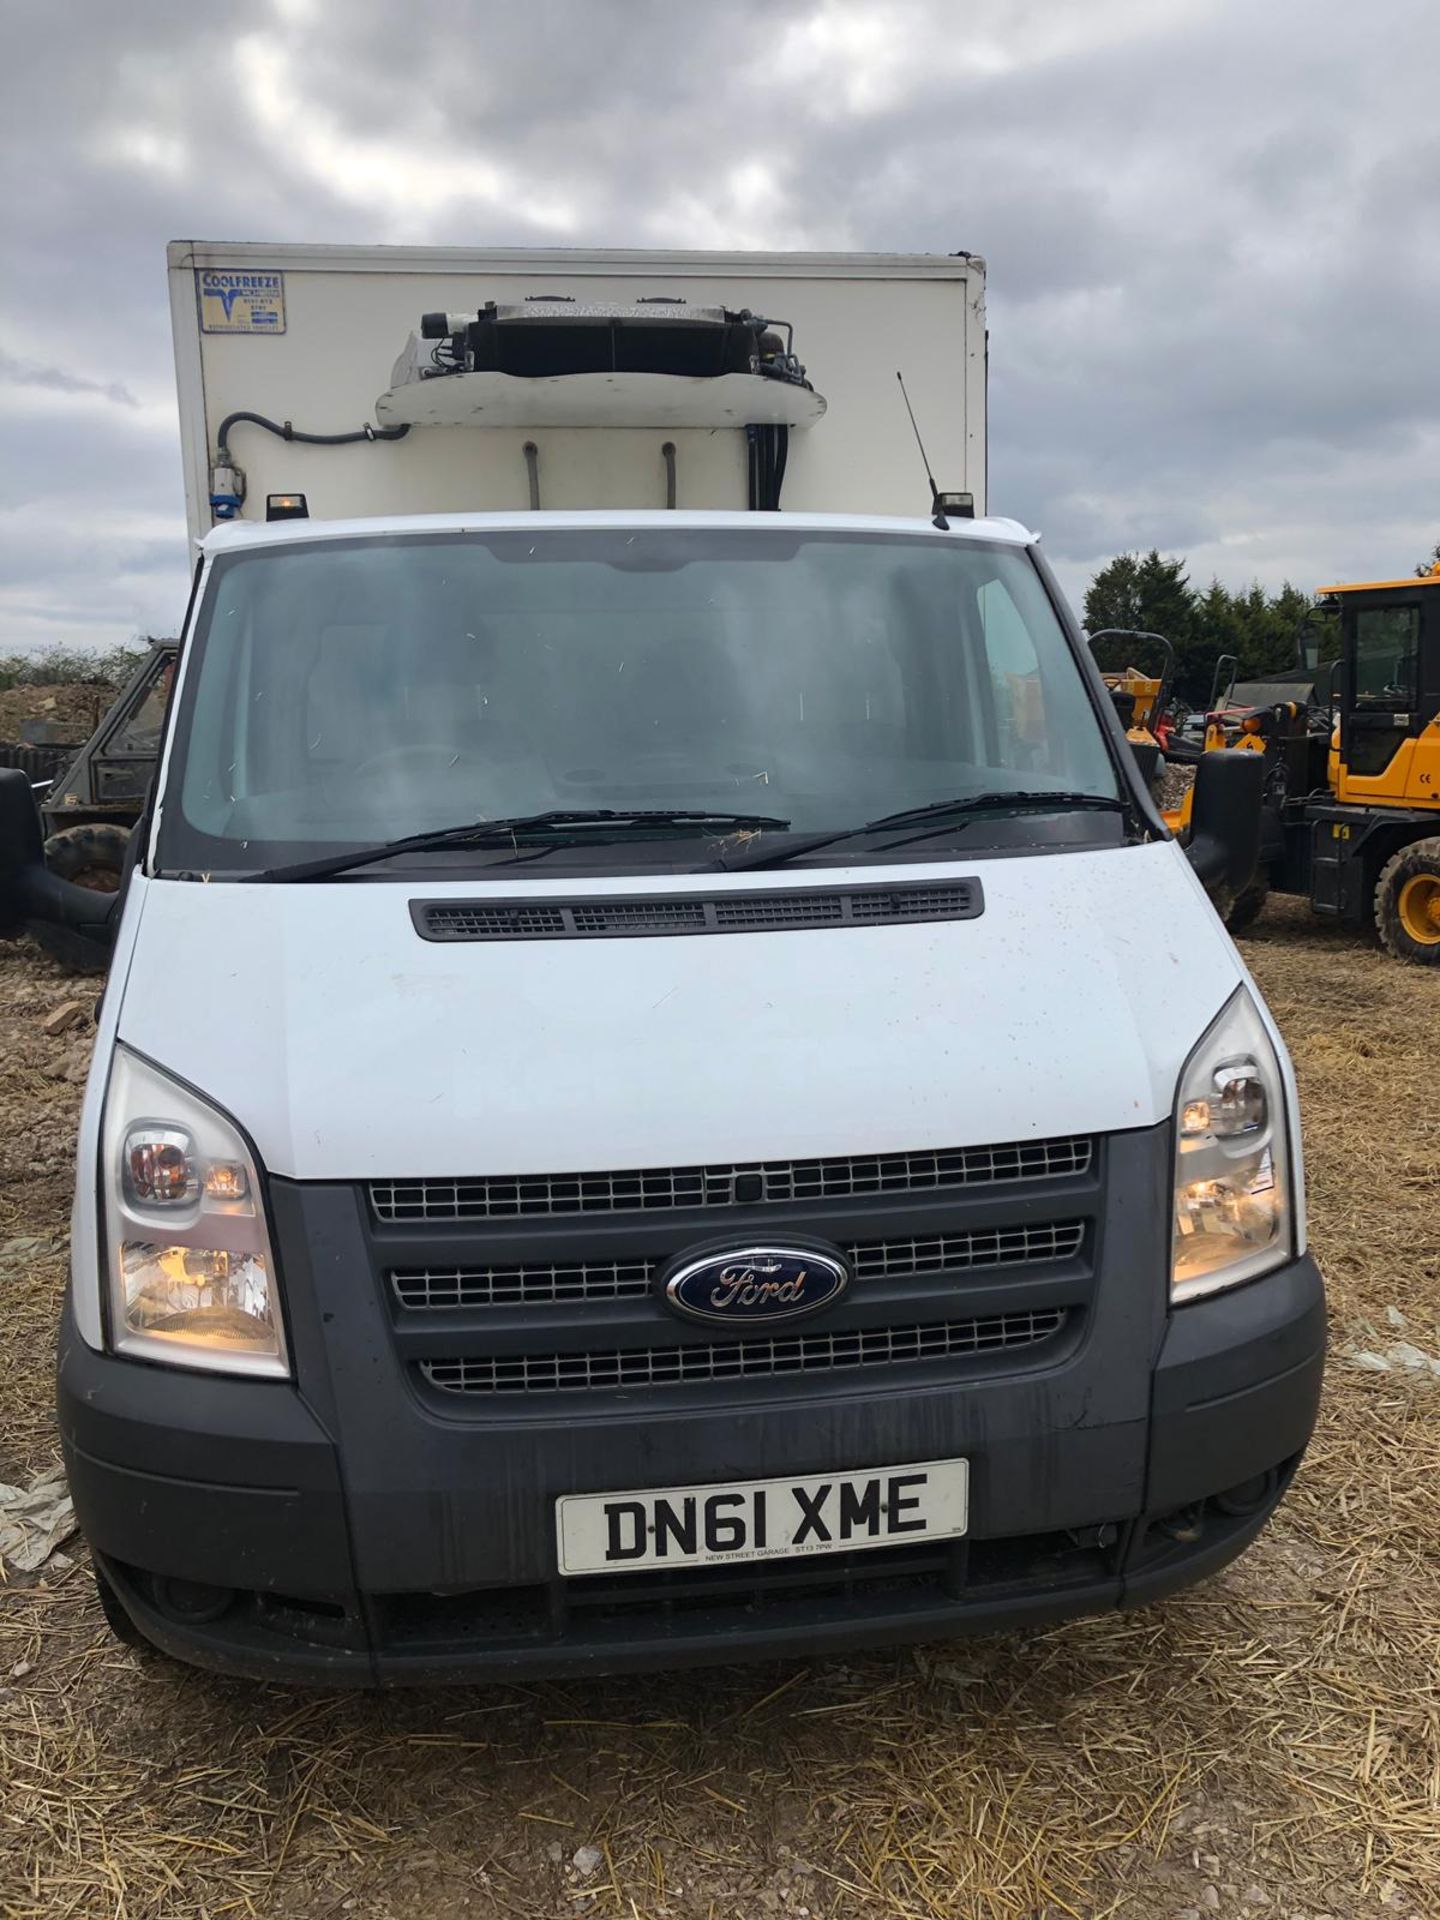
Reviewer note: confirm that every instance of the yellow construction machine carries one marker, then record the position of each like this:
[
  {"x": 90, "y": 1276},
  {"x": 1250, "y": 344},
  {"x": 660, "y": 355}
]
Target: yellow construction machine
[
  {"x": 1141, "y": 694},
  {"x": 1352, "y": 788}
]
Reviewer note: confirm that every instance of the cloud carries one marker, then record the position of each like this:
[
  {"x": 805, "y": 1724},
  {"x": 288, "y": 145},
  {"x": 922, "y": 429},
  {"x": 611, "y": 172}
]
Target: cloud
[
  {"x": 401, "y": 176},
  {"x": 1214, "y": 264},
  {"x": 20, "y": 373}
]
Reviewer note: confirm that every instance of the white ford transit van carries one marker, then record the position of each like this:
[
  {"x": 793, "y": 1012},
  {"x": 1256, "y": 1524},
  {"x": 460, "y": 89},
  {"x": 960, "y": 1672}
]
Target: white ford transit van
[{"x": 663, "y": 1095}]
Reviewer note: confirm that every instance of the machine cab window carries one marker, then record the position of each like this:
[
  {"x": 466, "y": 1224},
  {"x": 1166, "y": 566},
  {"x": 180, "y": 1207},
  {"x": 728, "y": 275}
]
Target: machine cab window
[
  {"x": 1386, "y": 641},
  {"x": 140, "y": 729}
]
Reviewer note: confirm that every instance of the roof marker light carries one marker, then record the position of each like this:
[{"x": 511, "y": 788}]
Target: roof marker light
[{"x": 955, "y": 506}]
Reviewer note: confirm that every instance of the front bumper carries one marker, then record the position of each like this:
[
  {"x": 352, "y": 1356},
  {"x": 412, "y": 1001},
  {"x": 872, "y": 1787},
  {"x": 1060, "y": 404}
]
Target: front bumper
[{"x": 339, "y": 1535}]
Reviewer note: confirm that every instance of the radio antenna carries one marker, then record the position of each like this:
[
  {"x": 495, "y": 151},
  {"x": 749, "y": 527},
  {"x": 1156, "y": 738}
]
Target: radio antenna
[{"x": 940, "y": 521}]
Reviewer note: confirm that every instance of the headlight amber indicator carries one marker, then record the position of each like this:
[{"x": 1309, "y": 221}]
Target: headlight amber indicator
[
  {"x": 192, "y": 1276},
  {"x": 1232, "y": 1211}
]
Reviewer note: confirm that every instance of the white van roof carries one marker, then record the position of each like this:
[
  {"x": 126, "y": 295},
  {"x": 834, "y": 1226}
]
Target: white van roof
[{"x": 238, "y": 533}]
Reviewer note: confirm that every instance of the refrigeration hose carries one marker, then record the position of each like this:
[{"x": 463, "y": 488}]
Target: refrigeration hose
[{"x": 285, "y": 431}]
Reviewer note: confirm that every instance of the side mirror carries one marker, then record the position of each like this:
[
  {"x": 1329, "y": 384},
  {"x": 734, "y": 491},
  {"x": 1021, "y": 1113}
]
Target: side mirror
[
  {"x": 28, "y": 889},
  {"x": 1224, "y": 844}
]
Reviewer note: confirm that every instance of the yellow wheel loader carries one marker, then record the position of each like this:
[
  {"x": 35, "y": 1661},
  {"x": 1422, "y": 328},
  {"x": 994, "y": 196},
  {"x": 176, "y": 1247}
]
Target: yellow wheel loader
[{"x": 1352, "y": 790}]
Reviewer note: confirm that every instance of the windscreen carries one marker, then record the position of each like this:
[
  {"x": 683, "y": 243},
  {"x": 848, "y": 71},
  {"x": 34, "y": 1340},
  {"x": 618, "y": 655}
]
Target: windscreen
[{"x": 348, "y": 692}]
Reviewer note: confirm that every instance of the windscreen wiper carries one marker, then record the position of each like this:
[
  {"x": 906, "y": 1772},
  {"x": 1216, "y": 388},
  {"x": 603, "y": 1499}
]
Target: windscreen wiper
[
  {"x": 943, "y": 813},
  {"x": 554, "y": 822}
]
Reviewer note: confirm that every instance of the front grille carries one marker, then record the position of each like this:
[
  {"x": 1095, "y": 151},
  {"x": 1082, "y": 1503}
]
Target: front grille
[
  {"x": 666, "y": 1188},
  {"x": 789, "y": 1590},
  {"x": 944, "y": 1252},
  {"x": 602, "y": 918},
  {"x": 425, "y": 1288},
  {"x": 429, "y": 1288},
  {"x": 750, "y": 1359}
]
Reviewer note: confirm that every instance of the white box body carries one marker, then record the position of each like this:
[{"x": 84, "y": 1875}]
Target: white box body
[{"x": 311, "y": 335}]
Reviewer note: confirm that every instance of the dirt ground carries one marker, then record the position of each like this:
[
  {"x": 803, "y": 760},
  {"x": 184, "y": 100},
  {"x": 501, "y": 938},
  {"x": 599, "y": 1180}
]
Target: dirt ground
[
  {"x": 1267, "y": 1744},
  {"x": 73, "y": 708}
]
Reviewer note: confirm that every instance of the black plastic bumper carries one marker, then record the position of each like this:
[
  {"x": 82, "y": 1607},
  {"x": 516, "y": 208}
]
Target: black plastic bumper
[{"x": 250, "y": 1528}]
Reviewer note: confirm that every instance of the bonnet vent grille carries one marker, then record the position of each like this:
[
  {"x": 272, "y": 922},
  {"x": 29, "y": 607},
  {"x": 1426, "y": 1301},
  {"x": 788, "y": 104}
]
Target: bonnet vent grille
[{"x": 602, "y": 918}]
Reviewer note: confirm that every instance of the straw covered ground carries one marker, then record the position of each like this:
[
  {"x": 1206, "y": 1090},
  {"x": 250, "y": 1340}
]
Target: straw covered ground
[{"x": 1267, "y": 1744}]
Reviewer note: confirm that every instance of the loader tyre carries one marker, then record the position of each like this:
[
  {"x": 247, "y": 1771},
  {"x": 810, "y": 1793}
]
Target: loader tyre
[
  {"x": 94, "y": 857},
  {"x": 1407, "y": 903},
  {"x": 1248, "y": 907}
]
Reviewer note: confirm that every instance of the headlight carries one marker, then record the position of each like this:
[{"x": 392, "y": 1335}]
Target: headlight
[
  {"x": 1233, "y": 1216},
  {"x": 192, "y": 1276}
]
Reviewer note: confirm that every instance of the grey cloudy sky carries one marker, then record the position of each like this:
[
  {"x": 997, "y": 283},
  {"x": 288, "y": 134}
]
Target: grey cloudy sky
[{"x": 1210, "y": 226}]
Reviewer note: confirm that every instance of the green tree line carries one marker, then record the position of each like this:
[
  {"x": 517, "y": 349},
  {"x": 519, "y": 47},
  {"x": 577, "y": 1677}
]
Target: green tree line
[{"x": 1152, "y": 593}]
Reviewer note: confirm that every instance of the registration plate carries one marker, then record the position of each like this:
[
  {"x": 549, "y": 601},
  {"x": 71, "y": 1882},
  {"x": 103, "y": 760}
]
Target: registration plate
[{"x": 761, "y": 1519}]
